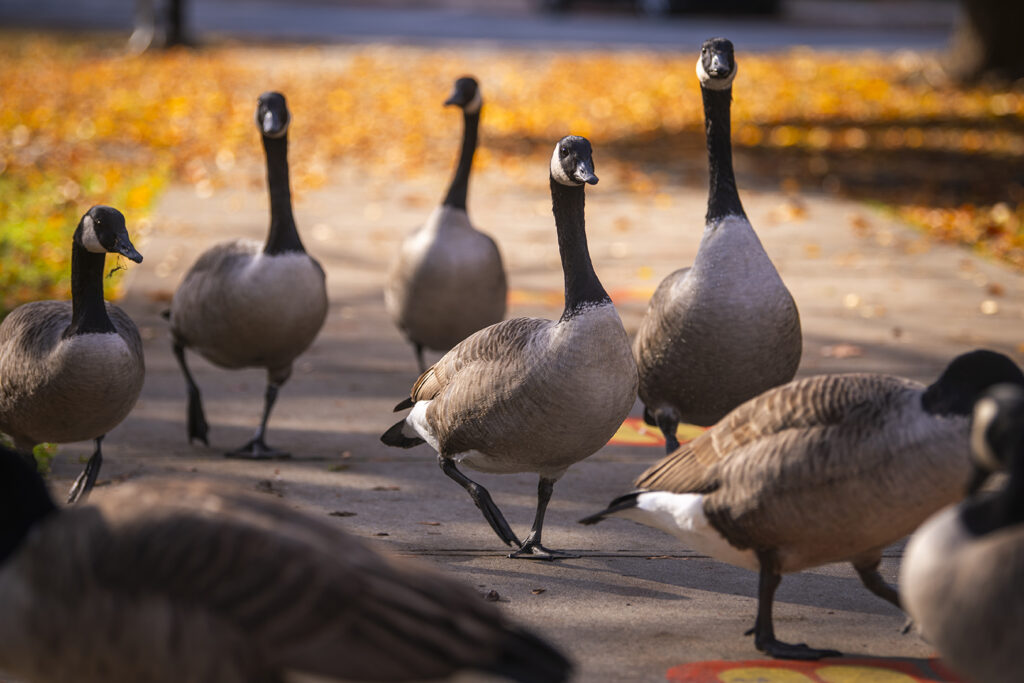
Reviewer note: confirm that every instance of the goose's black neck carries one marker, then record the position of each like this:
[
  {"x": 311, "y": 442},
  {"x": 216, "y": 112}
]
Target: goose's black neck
[
  {"x": 283, "y": 235},
  {"x": 460, "y": 183},
  {"x": 88, "y": 310},
  {"x": 582, "y": 288},
  {"x": 723, "y": 198},
  {"x": 986, "y": 514}
]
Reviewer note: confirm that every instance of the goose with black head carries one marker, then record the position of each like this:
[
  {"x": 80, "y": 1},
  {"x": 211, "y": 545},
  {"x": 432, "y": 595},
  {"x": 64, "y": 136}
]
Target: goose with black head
[
  {"x": 825, "y": 469},
  {"x": 961, "y": 572},
  {"x": 245, "y": 304},
  {"x": 72, "y": 370},
  {"x": 725, "y": 329},
  {"x": 447, "y": 280},
  {"x": 529, "y": 394}
]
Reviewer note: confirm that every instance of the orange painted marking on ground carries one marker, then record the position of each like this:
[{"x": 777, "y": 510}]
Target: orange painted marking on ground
[
  {"x": 861, "y": 670},
  {"x": 635, "y": 432}
]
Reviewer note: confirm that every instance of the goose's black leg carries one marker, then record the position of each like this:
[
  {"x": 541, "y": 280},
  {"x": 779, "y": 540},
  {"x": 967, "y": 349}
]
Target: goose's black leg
[
  {"x": 257, "y": 448},
  {"x": 87, "y": 479},
  {"x": 532, "y": 548},
  {"x": 482, "y": 499},
  {"x": 764, "y": 629},
  {"x": 419, "y": 357},
  {"x": 197, "y": 427},
  {"x": 668, "y": 425},
  {"x": 874, "y": 582}
]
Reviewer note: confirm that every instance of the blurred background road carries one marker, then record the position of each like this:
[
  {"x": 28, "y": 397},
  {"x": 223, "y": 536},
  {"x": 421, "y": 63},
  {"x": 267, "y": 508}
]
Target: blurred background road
[{"x": 832, "y": 24}]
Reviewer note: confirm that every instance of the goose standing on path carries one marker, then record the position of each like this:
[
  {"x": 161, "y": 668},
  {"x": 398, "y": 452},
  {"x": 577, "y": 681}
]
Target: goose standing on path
[
  {"x": 961, "y": 572},
  {"x": 527, "y": 394},
  {"x": 72, "y": 371},
  {"x": 448, "y": 280},
  {"x": 826, "y": 469},
  {"x": 726, "y": 329},
  {"x": 179, "y": 581},
  {"x": 243, "y": 304}
]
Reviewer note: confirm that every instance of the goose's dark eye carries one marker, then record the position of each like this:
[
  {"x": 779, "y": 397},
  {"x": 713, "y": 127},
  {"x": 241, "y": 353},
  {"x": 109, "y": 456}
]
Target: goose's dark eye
[{"x": 563, "y": 151}]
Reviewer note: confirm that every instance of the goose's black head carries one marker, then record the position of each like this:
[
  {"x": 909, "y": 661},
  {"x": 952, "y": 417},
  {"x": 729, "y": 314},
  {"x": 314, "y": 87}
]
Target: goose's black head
[
  {"x": 997, "y": 432},
  {"x": 966, "y": 378},
  {"x": 24, "y": 499},
  {"x": 272, "y": 116},
  {"x": 466, "y": 95},
  {"x": 716, "y": 66},
  {"x": 102, "y": 230},
  {"x": 572, "y": 162}
]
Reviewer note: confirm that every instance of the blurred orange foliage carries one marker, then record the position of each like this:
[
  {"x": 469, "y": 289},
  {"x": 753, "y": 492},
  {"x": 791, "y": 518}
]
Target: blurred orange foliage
[{"x": 83, "y": 123}]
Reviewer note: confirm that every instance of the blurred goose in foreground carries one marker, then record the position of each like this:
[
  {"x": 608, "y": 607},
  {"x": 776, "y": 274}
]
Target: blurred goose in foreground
[
  {"x": 726, "y": 329},
  {"x": 531, "y": 395},
  {"x": 178, "y": 581},
  {"x": 962, "y": 571},
  {"x": 825, "y": 469},
  {"x": 72, "y": 370},
  {"x": 448, "y": 281},
  {"x": 245, "y": 304}
]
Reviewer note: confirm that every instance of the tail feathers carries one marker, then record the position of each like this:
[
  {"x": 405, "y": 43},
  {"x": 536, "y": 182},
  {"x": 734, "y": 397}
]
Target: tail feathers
[
  {"x": 395, "y": 436},
  {"x": 526, "y": 658},
  {"x": 624, "y": 502},
  {"x": 407, "y": 403}
]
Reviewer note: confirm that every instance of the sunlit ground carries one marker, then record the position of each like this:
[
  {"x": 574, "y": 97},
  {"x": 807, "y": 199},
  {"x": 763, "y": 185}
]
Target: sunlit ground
[{"x": 81, "y": 123}]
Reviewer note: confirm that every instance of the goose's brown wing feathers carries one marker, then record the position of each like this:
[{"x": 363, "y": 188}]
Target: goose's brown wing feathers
[
  {"x": 311, "y": 597},
  {"x": 803, "y": 406},
  {"x": 496, "y": 343}
]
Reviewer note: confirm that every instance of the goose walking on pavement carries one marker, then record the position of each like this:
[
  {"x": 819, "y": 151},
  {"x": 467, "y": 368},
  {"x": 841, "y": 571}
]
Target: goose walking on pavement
[
  {"x": 244, "y": 304},
  {"x": 72, "y": 370},
  {"x": 725, "y": 329},
  {"x": 528, "y": 394},
  {"x": 447, "y": 280},
  {"x": 825, "y": 469}
]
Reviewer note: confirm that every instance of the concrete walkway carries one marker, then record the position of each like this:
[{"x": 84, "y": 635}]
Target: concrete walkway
[{"x": 873, "y": 294}]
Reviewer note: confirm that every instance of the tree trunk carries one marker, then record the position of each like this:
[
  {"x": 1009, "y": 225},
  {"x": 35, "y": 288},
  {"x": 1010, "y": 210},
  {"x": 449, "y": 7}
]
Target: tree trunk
[{"x": 986, "y": 43}]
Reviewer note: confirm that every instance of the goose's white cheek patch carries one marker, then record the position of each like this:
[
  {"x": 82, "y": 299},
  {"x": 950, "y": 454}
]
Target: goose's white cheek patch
[
  {"x": 89, "y": 239},
  {"x": 714, "y": 83},
  {"x": 558, "y": 173},
  {"x": 475, "y": 103}
]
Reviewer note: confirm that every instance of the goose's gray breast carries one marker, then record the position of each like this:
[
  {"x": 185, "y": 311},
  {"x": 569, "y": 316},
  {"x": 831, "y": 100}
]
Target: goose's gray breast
[
  {"x": 721, "y": 332},
  {"x": 963, "y": 593},
  {"x": 569, "y": 385},
  {"x": 447, "y": 282},
  {"x": 275, "y": 303},
  {"x": 66, "y": 389}
]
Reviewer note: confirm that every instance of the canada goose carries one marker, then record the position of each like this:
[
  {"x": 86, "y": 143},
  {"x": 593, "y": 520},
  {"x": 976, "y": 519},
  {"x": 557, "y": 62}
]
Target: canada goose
[
  {"x": 243, "y": 304},
  {"x": 179, "y": 581},
  {"x": 726, "y": 329},
  {"x": 447, "y": 281},
  {"x": 527, "y": 394},
  {"x": 961, "y": 572},
  {"x": 72, "y": 370},
  {"x": 824, "y": 469}
]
